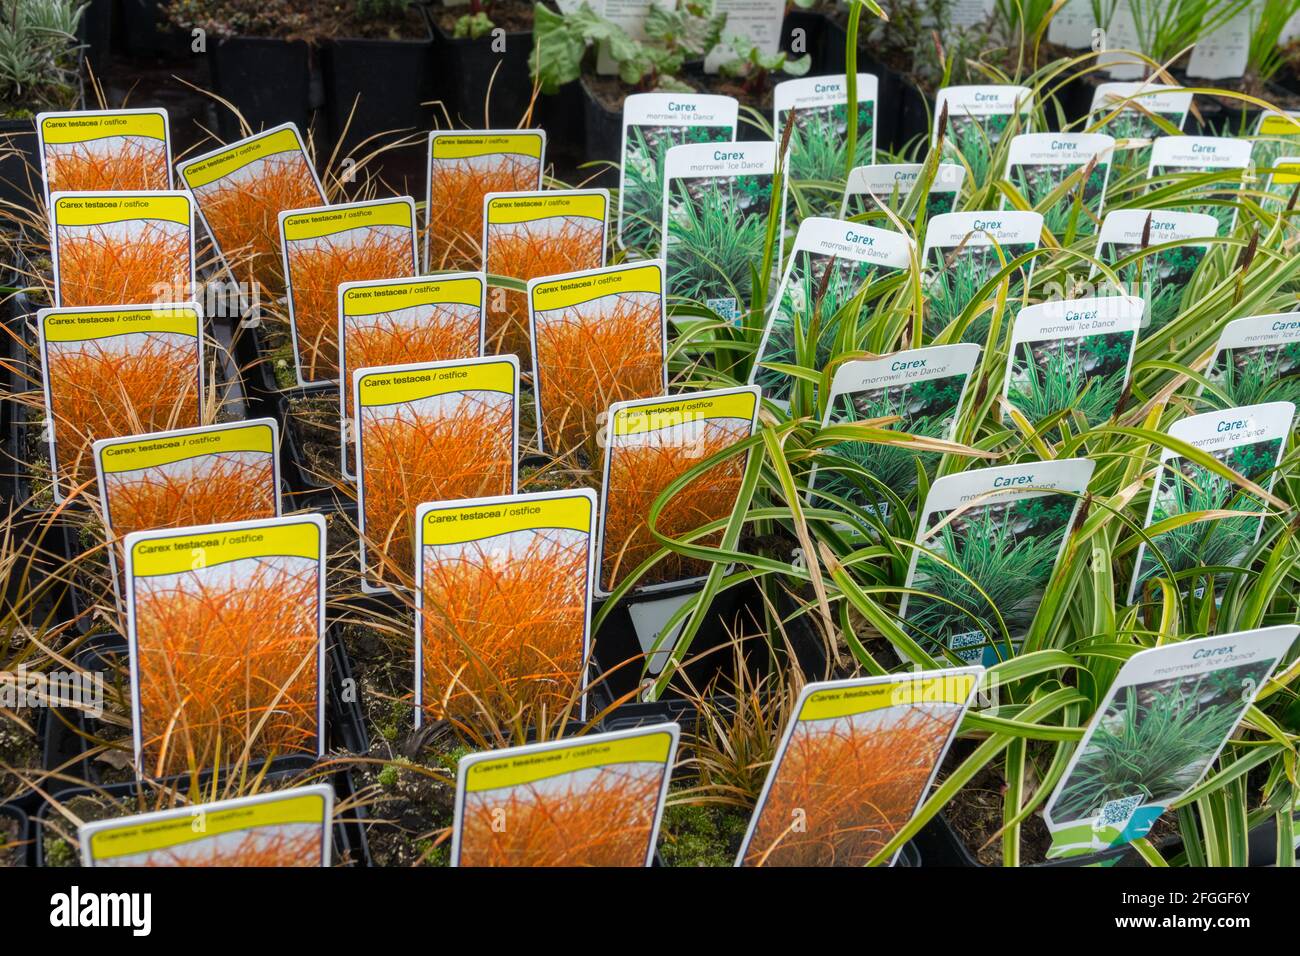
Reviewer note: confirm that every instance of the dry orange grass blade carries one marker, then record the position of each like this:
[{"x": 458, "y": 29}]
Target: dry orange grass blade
[
  {"x": 228, "y": 487},
  {"x": 98, "y": 266},
  {"x": 411, "y": 456},
  {"x": 317, "y": 267},
  {"x": 457, "y": 189},
  {"x": 243, "y": 215},
  {"x": 286, "y": 845},
  {"x": 227, "y": 663},
  {"x": 587, "y": 361},
  {"x": 136, "y": 164},
  {"x": 101, "y": 392},
  {"x": 534, "y": 251},
  {"x": 852, "y": 786},
  {"x": 605, "y": 820},
  {"x": 503, "y": 628},
  {"x": 444, "y": 331},
  {"x": 638, "y": 473}
]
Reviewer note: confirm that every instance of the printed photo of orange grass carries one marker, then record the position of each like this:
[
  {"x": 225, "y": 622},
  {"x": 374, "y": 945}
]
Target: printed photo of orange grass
[
  {"x": 854, "y": 767},
  {"x": 592, "y": 801},
  {"x": 122, "y": 248},
  {"x": 504, "y": 605},
  {"x": 464, "y": 167},
  {"x": 598, "y": 338},
  {"x": 103, "y": 381},
  {"x": 104, "y": 150},
  {"x": 651, "y": 445},
  {"x": 241, "y": 189},
  {"x": 532, "y": 236},
  {"x": 323, "y": 249},
  {"x": 226, "y": 627},
  {"x": 283, "y": 828},
  {"x": 436, "y": 431}
]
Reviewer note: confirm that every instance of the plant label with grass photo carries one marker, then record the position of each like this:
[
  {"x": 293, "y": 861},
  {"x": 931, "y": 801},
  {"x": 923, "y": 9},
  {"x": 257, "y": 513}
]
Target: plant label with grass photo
[
  {"x": 871, "y": 189},
  {"x": 402, "y": 322},
  {"x": 431, "y": 431},
  {"x": 240, "y": 190},
  {"x": 963, "y": 252},
  {"x": 853, "y": 766},
  {"x": 978, "y": 119},
  {"x": 104, "y": 151},
  {"x": 1156, "y": 253},
  {"x": 651, "y": 444},
  {"x": 211, "y": 474},
  {"x": 1276, "y": 136},
  {"x": 226, "y": 627},
  {"x": 1193, "y": 527},
  {"x": 595, "y": 800},
  {"x": 326, "y": 247},
  {"x": 986, "y": 546},
  {"x": 116, "y": 371},
  {"x": 1136, "y": 114},
  {"x": 653, "y": 123},
  {"x": 1155, "y": 735},
  {"x": 531, "y": 235},
  {"x": 1174, "y": 159},
  {"x": 925, "y": 389},
  {"x": 820, "y": 309},
  {"x": 122, "y": 248},
  {"x": 1063, "y": 176},
  {"x": 1070, "y": 361},
  {"x": 1257, "y": 360},
  {"x": 464, "y": 167},
  {"x": 816, "y": 110},
  {"x": 284, "y": 828},
  {"x": 503, "y": 607},
  {"x": 717, "y": 213},
  {"x": 598, "y": 337}
]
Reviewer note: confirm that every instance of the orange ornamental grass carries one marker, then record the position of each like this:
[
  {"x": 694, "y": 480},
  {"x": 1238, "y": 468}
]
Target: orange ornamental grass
[
  {"x": 132, "y": 164},
  {"x": 228, "y": 487},
  {"x": 637, "y": 475},
  {"x": 284, "y": 845},
  {"x": 457, "y": 188},
  {"x": 856, "y": 781},
  {"x": 243, "y": 214},
  {"x": 533, "y": 251},
  {"x": 443, "y": 331},
  {"x": 99, "y": 266},
  {"x": 317, "y": 267},
  {"x": 587, "y": 360},
  {"x": 412, "y": 455},
  {"x": 227, "y": 662},
  {"x": 584, "y": 819},
  {"x": 126, "y": 385},
  {"x": 503, "y": 625}
]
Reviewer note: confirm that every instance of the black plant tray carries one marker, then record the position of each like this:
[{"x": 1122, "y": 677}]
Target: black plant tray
[{"x": 25, "y": 853}]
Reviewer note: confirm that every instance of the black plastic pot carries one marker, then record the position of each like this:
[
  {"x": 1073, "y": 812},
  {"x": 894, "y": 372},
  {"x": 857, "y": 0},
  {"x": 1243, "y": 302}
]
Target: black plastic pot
[
  {"x": 941, "y": 846},
  {"x": 20, "y": 166},
  {"x": 603, "y": 136},
  {"x": 24, "y": 854},
  {"x": 805, "y": 32},
  {"x": 310, "y": 487},
  {"x": 902, "y": 110},
  {"x": 563, "y": 116},
  {"x": 349, "y": 841},
  {"x": 146, "y": 32},
  {"x": 467, "y": 68},
  {"x": 96, "y": 32},
  {"x": 268, "y": 80}
]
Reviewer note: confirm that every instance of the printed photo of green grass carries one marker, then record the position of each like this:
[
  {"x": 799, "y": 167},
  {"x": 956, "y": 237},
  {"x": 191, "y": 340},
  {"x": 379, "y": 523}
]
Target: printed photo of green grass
[
  {"x": 716, "y": 231},
  {"x": 643, "y": 179},
  {"x": 819, "y": 287},
  {"x": 973, "y": 140},
  {"x": 1078, "y": 212},
  {"x": 926, "y": 408},
  {"x": 1186, "y": 488},
  {"x": 1159, "y": 278},
  {"x": 1155, "y": 740},
  {"x": 1254, "y": 375},
  {"x": 938, "y": 202},
  {"x": 819, "y": 151},
  {"x": 1085, "y": 374},
  {"x": 953, "y": 278},
  {"x": 1006, "y": 550},
  {"x": 1132, "y": 123},
  {"x": 1225, "y": 213}
]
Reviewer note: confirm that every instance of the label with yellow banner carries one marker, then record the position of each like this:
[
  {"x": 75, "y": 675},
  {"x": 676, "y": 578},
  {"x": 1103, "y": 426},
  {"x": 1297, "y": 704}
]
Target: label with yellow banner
[
  {"x": 492, "y": 568},
  {"x": 330, "y": 220},
  {"x": 854, "y": 765},
  {"x": 286, "y": 828},
  {"x": 521, "y": 806},
  {"x": 100, "y": 209},
  {"x": 472, "y": 144},
  {"x": 522, "y": 207},
  {"x": 164, "y": 552},
  {"x": 640, "y": 417},
  {"x": 206, "y": 169},
  {"x": 99, "y": 150}
]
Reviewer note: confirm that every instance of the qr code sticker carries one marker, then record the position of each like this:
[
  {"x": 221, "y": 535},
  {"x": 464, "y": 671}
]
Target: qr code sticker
[
  {"x": 969, "y": 646},
  {"x": 725, "y": 308},
  {"x": 1117, "y": 813}
]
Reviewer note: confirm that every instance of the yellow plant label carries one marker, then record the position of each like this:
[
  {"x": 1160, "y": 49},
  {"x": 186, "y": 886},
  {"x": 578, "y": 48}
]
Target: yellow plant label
[
  {"x": 565, "y": 293},
  {"x": 469, "y": 145},
  {"x": 845, "y": 701},
  {"x": 222, "y": 164},
  {"x": 529, "y": 767},
  {"x": 173, "y": 554},
  {"x": 137, "y": 453},
  {"x": 328, "y": 220},
  {"x": 654, "y": 416},
  {"x": 377, "y": 297},
  {"x": 392, "y": 388},
  {"x": 506, "y": 210},
  {"x": 454, "y": 525},
  {"x": 65, "y": 128},
  {"x": 97, "y": 209},
  {"x": 88, "y": 324}
]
